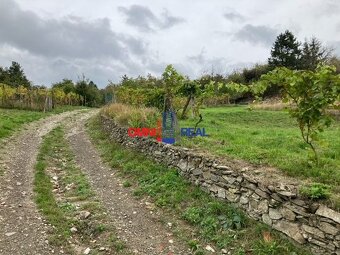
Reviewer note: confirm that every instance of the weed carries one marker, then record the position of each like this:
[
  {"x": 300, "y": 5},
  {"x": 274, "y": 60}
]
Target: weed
[
  {"x": 316, "y": 191},
  {"x": 127, "y": 184}
]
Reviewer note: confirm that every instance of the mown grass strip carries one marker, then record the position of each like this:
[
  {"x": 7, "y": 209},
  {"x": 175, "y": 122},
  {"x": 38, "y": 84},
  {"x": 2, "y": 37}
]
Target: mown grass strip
[
  {"x": 44, "y": 196},
  {"x": 56, "y": 165},
  {"x": 214, "y": 221}
]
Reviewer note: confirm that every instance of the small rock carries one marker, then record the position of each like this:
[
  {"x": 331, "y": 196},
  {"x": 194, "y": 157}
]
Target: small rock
[
  {"x": 85, "y": 214},
  {"x": 328, "y": 213},
  {"x": 209, "y": 248},
  {"x": 19, "y": 183},
  {"x": 313, "y": 231},
  {"x": 74, "y": 230},
  {"x": 290, "y": 229},
  {"x": 328, "y": 228},
  {"x": 171, "y": 241},
  {"x": 274, "y": 214},
  {"x": 10, "y": 234},
  {"x": 287, "y": 193},
  {"x": 221, "y": 193},
  {"x": 169, "y": 224},
  {"x": 266, "y": 219},
  {"x": 101, "y": 249},
  {"x": 223, "y": 167},
  {"x": 87, "y": 251},
  {"x": 224, "y": 251}
]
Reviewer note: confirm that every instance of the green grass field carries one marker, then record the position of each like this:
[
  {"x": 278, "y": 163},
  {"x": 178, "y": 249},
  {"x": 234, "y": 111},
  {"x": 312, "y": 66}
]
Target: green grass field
[
  {"x": 267, "y": 137},
  {"x": 12, "y": 119},
  {"x": 212, "y": 221}
]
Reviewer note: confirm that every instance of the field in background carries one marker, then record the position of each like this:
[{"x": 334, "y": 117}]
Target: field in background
[
  {"x": 12, "y": 120},
  {"x": 267, "y": 137}
]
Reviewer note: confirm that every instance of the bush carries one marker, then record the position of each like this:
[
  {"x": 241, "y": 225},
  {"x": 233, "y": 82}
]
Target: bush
[
  {"x": 131, "y": 116},
  {"x": 316, "y": 191}
]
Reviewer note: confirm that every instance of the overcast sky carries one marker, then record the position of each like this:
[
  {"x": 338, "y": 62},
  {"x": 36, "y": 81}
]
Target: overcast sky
[{"x": 106, "y": 39}]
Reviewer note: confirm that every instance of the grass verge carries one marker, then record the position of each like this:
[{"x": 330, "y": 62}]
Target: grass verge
[
  {"x": 65, "y": 198},
  {"x": 212, "y": 220},
  {"x": 11, "y": 119}
]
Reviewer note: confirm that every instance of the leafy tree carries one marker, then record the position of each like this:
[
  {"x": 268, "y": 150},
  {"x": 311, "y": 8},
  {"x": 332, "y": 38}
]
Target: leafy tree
[
  {"x": 285, "y": 52},
  {"x": 172, "y": 81},
  {"x": 189, "y": 89},
  {"x": 89, "y": 91},
  {"x": 3, "y": 75},
  {"x": 312, "y": 93},
  {"x": 334, "y": 61},
  {"x": 254, "y": 73},
  {"x": 66, "y": 85},
  {"x": 14, "y": 76},
  {"x": 313, "y": 53}
]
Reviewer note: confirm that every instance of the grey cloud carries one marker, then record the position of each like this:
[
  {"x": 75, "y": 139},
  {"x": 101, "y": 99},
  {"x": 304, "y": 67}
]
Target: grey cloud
[
  {"x": 135, "y": 45},
  {"x": 233, "y": 16},
  {"x": 256, "y": 34},
  {"x": 145, "y": 20},
  {"x": 170, "y": 21},
  {"x": 207, "y": 65},
  {"x": 335, "y": 46},
  {"x": 67, "y": 37}
]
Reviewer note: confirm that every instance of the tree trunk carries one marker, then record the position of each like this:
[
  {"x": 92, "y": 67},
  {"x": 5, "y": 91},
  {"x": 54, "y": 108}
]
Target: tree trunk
[{"x": 186, "y": 106}]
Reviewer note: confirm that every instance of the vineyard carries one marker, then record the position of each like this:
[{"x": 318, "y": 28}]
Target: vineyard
[{"x": 41, "y": 99}]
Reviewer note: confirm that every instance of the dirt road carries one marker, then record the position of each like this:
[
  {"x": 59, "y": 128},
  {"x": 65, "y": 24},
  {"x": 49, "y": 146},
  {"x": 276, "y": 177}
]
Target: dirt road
[{"x": 23, "y": 229}]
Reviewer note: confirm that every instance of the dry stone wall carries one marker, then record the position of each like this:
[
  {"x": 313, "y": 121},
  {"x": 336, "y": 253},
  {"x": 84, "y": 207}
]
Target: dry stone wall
[{"x": 272, "y": 199}]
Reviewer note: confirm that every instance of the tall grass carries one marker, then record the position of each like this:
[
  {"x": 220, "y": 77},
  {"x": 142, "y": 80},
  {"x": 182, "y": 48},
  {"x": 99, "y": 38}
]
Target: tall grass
[{"x": 126, "y": 115}]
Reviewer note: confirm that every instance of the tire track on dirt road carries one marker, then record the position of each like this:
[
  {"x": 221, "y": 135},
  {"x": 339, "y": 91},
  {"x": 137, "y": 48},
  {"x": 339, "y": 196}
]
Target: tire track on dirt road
[
  {"x": 142, "y": 231},
  {"x": 22, "y": 229}
]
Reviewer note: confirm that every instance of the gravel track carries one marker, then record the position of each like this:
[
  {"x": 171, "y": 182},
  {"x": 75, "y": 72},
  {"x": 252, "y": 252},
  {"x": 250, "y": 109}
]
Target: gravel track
[
  {"x": 22, "y": 228},
  {"x": 23, "y": 231}
]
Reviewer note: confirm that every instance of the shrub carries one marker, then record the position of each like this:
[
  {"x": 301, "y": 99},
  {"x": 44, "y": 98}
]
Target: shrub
[
  {"x": 315, "y": 191},
  {"x": 126, "y": 115}
]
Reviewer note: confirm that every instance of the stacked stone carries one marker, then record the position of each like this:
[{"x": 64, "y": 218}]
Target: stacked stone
[{"x": 276, "y": 204}]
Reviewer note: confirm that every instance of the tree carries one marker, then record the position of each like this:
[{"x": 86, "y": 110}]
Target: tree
[
  {"x": 14, "y": 76},
  {"x": 334, "y": 61},
  {"x": 285, "y": 52},
  {"x": 89, "y": 91},
  {"x": 312, "y": 93},
  {"x": 313, "y": 53},
  {"x": 172, "y": 81},
  {"x": 189, "y": 89},
  {"x": 66, "y": 85},
  {"x": 3, "y": 75}
]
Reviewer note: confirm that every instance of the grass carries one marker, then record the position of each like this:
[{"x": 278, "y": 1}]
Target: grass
[
  {"x": 44, "y": 196},
  {"x": 270, "y": 138},
  {"x": 56, "y": 159},
  {"x": 12, "y": 120},
  {"x": 132, "y": 116},
  {"x": 212, "y": 220}
]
